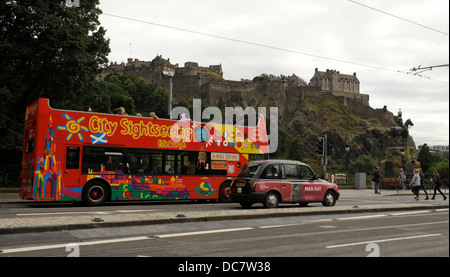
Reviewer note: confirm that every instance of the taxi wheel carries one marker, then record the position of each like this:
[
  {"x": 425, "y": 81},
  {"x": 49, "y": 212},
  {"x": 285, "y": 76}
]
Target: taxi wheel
[
  {"x": 272, "y": 200},
  {"x": 329, "y": 199}
]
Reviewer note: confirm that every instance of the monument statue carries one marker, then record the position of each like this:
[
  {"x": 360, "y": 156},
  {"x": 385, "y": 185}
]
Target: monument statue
[{"x": 401, "y": 130}]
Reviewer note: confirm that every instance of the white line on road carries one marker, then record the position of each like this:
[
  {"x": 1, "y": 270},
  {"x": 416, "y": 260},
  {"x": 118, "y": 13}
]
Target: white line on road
[
  {"x": 63, "y": 245},
  {"x": 413, "y": 212},
  {"x": 381, "y": 240},
  {"x": 96, "y": 242},
  {"x": 201, "y": 232},
  {"x": 361, "y": 217},
  {"x": 294, "y": 224}
]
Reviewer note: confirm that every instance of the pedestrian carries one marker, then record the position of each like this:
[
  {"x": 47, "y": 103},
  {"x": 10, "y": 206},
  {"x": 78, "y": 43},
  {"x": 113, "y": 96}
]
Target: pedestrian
[
  {"x": 153, "y": 115},
  {"x": 376, "y": 180},
  {"x": 422, "y": 183},
  {"x": 415, "y": 184},
  {"x": 120, "y": 111},
  {"x": 437, "y": 184},
  {"x": 402, "y": 178}
]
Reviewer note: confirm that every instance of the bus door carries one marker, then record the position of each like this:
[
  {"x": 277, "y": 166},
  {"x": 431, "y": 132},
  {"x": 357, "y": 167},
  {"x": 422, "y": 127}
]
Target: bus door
[{"x": 71, "y": 172}]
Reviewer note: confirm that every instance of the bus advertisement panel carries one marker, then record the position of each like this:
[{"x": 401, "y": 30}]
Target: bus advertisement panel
[{"x": 94, "y": 157}]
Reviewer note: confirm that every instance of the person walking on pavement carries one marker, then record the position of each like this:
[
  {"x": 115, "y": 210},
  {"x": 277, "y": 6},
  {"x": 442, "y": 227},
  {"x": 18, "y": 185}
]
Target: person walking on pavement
[
  {"x": 415, "y": 184},
  {"x": 376, "y": 180},
  {"x": 402, "y": 178},
  {"x": 437, "y": 184},
  {"x": 422, "y": 183}
]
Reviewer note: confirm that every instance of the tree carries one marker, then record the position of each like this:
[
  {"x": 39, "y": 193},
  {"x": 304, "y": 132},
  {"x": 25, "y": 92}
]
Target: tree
[
  {"x": 262, "y": 78},
  {"x": 48, "y": 50},
  {"x": 295, "y": 150},
  {"x": 424, "y": 157},
  {"x": 364, "y": 163}
]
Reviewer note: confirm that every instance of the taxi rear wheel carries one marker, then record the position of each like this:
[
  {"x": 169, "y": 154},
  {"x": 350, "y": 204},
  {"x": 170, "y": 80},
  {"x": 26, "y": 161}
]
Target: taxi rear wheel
[
  {"x": 329, "y": 199},
  {"x": 272, "y": 200}
]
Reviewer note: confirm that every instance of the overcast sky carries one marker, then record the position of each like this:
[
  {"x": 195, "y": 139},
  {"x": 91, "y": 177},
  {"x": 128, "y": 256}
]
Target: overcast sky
[{"x": 297, "y": 36}]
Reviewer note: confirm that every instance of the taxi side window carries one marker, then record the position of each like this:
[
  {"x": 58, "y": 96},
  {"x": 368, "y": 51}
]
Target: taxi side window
[
  {"x": 306, "y": 173},
  {"x": 272, "y": 171},
  {"x": 291, "y": 171}
]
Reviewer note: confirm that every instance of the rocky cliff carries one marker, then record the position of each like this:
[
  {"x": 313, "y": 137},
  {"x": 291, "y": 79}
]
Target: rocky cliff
[{"x": 305, "y": 113}]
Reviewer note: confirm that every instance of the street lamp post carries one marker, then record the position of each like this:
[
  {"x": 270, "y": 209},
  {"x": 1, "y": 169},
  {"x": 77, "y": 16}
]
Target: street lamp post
[
  {"x": 347, "y": 150},
  {"x": 169, "y": 74}
]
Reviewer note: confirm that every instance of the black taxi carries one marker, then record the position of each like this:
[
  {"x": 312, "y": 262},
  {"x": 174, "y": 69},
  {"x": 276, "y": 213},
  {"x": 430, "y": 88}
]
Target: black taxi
[{"x": 271, "y": 182}]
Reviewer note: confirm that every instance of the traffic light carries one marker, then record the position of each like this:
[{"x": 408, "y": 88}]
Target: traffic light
[{"x": 320, "y": 141}]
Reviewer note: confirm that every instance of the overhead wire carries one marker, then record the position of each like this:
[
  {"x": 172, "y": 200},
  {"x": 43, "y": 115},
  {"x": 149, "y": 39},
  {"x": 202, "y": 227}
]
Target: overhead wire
[
  {"x": 398, "y": 17},
  {"x": 254, "y": 43}
]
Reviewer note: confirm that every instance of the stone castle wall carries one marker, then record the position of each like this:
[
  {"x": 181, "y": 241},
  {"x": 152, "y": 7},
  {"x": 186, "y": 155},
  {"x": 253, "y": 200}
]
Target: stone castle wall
[{"x": 192, "y": 82}]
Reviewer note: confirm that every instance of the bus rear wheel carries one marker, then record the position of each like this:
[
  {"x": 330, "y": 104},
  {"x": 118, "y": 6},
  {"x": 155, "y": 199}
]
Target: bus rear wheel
[
  {"x": 225, "y": 192},
  {"x": 95, "y": 194}
]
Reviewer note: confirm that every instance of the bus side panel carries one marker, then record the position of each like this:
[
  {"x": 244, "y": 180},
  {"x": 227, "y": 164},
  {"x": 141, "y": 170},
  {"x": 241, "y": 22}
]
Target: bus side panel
[
  {"x": 47, "y": 179},
  {"x": 161, "y": 187}
]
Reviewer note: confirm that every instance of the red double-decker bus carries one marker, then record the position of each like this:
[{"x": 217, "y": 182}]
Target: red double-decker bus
[{"x": 95, "y": 158}]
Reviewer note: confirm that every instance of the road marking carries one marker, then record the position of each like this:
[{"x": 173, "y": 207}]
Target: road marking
[
  {"x": 381, "y": 240},
  {"x": 63, "y": 245},
  {"x": 413, "y": 212},
  {"x": 294, "y": 224},
  {"x": 96, "y": 242},
  {"x": 163, "y": 236},
  {"x": 328, "y": 226},
  {"x": 134, "y": 211},
  {"x": 361, "y": 217},
  {"x": 441, "y": 210}
]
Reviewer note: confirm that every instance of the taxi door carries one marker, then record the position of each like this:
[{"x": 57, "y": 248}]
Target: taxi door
[
  {"x": 312, "y": 190},
  {"x": 291, "y": 185}
]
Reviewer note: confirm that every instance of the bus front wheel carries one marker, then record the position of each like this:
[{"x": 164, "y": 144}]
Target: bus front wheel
[{"x": 95, "y": 194}]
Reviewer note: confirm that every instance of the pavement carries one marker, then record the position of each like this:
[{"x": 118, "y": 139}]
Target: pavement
[{"x": 361, "y": 201}]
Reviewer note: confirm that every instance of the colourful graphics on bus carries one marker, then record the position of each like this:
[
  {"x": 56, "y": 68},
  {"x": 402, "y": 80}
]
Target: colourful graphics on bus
[{"x": 74, "y": 156}]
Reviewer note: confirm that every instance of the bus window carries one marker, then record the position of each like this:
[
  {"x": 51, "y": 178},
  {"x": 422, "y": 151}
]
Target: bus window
[
  {"x": 103, "y": 159},
  {"x": 29, "y": 146},
  {"x": 73, "y": 157},
  {"x": 138, "y": 161},
  {"x": 169, "y": 162},
  {"x": 255, "y": 157},
  {"x": 186, "y": 163},
  {"x": 155, "y": 163}
]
